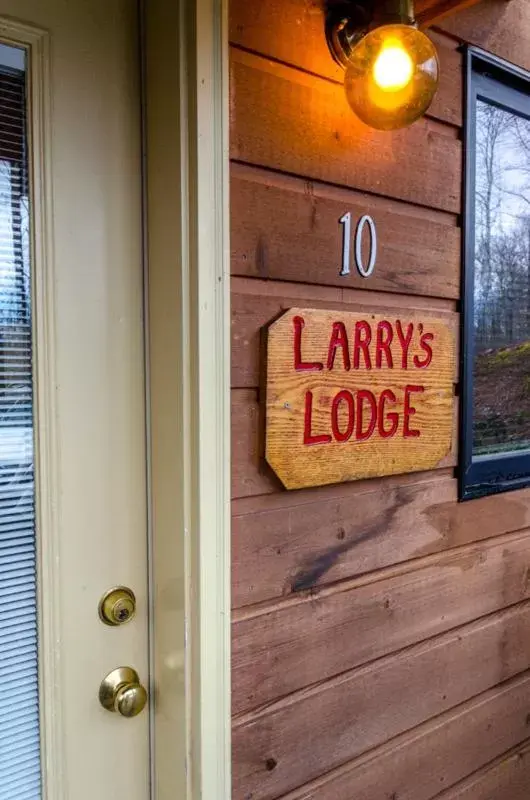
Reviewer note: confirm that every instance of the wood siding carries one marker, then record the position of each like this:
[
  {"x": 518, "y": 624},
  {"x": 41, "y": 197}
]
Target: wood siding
[{"x": 381, "y": 629}]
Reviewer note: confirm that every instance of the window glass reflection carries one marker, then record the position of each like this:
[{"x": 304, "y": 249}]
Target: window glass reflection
[
  {"x": 20, "y": 768},
  {"x": 501, "y": 391}
]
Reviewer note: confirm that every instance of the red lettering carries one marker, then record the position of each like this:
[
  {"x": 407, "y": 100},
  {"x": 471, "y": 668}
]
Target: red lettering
[
  {"x": 425, "y": 338},
  {"x": 362, "y": 395},
  {"x": 361, "y": 343},
  {"x": 391, "y": 416},
  {"x": 322, "y": 438},
  {"x": 404, "y": 340},
  {"x": 382, "y": 344},
  {"x": 300, "y": 365},
  {"x": 409, "y": 410},
  {"x": 337, "y": 433},
  {"x": 339, "y": 338}
]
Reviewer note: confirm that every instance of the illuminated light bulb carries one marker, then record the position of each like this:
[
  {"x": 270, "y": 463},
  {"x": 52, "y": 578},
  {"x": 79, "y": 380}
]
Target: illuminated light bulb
[
  {"x": 393, "y": 68},
  {"x": 392, "y": 76}
]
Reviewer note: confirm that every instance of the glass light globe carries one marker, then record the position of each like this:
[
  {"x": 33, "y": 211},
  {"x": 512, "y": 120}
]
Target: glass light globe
[{"x": 392, "y": 76}]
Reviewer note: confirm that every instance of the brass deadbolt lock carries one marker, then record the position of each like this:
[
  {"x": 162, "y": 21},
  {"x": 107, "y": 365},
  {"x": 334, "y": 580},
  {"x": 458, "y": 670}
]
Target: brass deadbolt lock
[
  {"x": 117, "y": 606},
  {"x": 121, "y": 692}
]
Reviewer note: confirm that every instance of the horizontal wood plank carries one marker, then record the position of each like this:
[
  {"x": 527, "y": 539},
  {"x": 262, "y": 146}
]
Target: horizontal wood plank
[
  {"x": 285, "y": 543},
  {"x": 293, "y": 742},
  {"x": 288, "y": 229},
  {"x": 507, "y": 779},
  {"x": 301, "y": 643},
  {"x": 334, "y": 294},
  {"x": 300, "y": 41},
  {"x": 500, "y": 26},
  {"x": 283, "y": 549},
  {"x": 273, "y": 107},
  {"x": 438, "y": 754},
  {"x": 429, "y": 12}
]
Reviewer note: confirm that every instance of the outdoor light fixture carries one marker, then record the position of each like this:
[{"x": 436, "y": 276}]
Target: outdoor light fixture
[{"x": 391, "y": 67}]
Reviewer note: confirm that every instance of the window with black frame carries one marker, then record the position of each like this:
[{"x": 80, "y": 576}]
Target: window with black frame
[{"x": 495, "y": 434}]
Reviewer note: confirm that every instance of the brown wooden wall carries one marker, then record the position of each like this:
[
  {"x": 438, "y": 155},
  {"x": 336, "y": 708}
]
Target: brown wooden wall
[{"x": 381, "y": 630}]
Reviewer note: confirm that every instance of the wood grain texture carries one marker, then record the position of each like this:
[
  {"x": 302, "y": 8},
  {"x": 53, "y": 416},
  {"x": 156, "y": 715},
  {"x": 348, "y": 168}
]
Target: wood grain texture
[
  {"x": 301, "y": 643},
  {"x": 499, "y": 26},
  {"x": 300, "y": 42},
  {"x": 507, "y": 779},
  {"x": 288, "y": 229},
  {"x": 429, "y": 12},
  {"x": 350, "y": 412},
  {"x": 251, "y": 313},
  {"x": 292, "y": 742},
  {"x": 353, "y": 676},
  {"x": 251, "y": 474},
  {"x": 285, "y": 543},
  {"x": 443, "y": 751},
  {"x": 331, "y": 144},
  {"x": 281, "y": 549}
]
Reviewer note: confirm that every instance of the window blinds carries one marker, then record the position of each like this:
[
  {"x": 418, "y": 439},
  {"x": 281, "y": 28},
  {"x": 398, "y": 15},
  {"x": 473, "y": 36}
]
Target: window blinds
[{"x": 19, "y": 709}]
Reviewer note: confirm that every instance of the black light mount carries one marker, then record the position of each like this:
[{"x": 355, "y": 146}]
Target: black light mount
[{"x": 348, "y": 21}]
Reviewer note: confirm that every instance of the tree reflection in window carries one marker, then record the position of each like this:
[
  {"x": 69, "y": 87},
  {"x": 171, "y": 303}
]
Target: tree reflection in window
[{"x": 501, "y": 385}]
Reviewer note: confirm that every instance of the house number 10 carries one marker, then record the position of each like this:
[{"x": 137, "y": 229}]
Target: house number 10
[{"x": 363, "y": 271}]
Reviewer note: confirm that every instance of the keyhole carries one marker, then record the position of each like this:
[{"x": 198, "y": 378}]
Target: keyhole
[{"x": 117, "y": 606}]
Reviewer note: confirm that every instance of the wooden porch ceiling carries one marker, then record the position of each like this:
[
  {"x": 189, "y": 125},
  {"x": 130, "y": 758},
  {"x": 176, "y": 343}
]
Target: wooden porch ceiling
[{"x": 428, "y": 12}]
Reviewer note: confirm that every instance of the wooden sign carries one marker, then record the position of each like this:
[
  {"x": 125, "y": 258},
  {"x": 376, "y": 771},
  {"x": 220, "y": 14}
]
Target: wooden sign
[{"x": 357, "y": 395}]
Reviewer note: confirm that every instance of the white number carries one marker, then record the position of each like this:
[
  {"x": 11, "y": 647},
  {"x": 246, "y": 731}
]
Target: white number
[
  {"x": 346, "y": 240},
  {"x": 363, "y": 271}
]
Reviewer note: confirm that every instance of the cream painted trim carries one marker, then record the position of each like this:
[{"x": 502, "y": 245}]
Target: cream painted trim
[
  {"x": 186, "y": 88},
  {"x": 47, "y": 491},
  {"x": 210, "y": 316}
]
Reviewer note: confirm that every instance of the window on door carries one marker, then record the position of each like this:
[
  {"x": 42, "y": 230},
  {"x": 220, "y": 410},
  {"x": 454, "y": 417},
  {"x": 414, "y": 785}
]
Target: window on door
[
  {"x": 496, "y": 341},
  {"x": 19, "y": 708}
]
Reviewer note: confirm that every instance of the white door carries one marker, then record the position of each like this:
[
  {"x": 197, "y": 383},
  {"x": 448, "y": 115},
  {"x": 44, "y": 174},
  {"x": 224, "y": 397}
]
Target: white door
[{"x": 72, "y": 420}]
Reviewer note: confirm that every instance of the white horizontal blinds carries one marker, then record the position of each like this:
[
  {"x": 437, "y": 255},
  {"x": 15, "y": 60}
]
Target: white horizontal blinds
[{"x": 19, "y": 709}]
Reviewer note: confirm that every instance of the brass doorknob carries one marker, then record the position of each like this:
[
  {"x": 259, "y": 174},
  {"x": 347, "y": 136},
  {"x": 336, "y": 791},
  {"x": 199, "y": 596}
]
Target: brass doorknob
[{"x": 122, "y": 692}]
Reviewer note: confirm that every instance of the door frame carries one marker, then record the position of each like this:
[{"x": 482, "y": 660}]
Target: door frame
[{"x": 187, "y": 250}]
